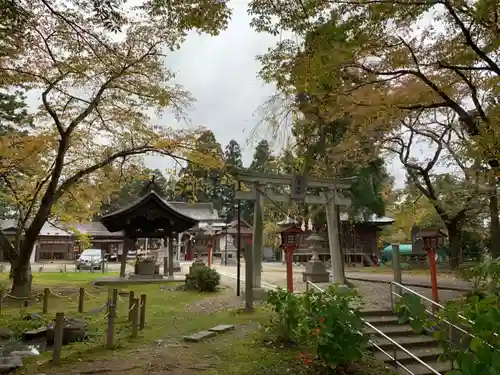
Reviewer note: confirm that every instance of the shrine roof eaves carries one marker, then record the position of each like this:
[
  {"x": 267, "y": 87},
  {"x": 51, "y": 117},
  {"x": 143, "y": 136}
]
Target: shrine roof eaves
[{"x": 114, "y": 220}]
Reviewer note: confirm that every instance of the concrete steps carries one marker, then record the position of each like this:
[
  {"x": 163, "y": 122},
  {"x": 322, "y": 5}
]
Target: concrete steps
[{"x": 421, "y": 346}]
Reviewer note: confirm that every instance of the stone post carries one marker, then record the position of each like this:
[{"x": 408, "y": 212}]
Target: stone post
[
  {"x": 257, "y": 243},
  {"x": 396, "y": 267},
  {"x": 333, "y": 238}
]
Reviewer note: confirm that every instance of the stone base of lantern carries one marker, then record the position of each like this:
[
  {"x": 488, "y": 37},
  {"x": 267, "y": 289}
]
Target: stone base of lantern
[{"x": 316, "y": 271}]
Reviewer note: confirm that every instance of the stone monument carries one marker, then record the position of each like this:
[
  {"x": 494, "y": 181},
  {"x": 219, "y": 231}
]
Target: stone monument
[
  {"x": 315, "y": 269},
  {"x": 228, "y": 249},
  {"x": 191, "y": 276}
]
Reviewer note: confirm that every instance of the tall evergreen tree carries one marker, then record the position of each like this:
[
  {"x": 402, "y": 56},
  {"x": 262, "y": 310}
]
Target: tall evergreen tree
[
  {"x": 232, "y": 159},
  {"x": 262, "y": 158},
  {"x": 202, "y": 184}
]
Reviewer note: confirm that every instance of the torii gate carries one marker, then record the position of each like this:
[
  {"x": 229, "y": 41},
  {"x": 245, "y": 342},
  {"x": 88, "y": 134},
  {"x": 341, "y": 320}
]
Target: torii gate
[{"x": 332, "y": 199}]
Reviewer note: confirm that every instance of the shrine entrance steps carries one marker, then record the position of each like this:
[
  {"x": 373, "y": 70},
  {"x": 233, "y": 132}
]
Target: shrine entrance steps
[{"x": 421, "y": 346}]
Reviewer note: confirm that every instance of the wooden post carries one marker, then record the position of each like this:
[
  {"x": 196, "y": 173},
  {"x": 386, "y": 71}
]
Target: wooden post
[
  {"x": 171, "y": 256},
  {"x": 142, "y": 321},
  {"x": 135, "y": 318},
  {"x": 434, "y": 284},
  {"x": 258, "y": 234},
  {"x": 114, "y": 297},
  {"x": 45, "y": 305},
  {"x": 396, "y": 267},
  {"x": 130, "y": 304},
  {"x": 58, "y": 338},
  {"x": 333, "y": 238},
  {"x": 289, "y": 268},
  {"x": 123, "y": 264},
  {"x": 81, "y": 298},
  {"x": 165, "y": 266},
  {"x": 111, "y": 326}
]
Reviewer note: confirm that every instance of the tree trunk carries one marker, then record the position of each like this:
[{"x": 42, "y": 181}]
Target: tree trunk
[
  {"x": 495, "y": 223},
  {"x": 455, "y": 240},
  {"x": 21, "y": 279},
  {"x": 20, "y": 268}
]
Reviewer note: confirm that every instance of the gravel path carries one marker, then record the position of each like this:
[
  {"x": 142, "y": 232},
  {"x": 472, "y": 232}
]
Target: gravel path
[{"x": 375, "y": 295}]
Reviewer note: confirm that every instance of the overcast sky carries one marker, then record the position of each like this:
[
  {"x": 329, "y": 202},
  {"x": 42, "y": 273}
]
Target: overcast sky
[{"x": 221, "y": 73}]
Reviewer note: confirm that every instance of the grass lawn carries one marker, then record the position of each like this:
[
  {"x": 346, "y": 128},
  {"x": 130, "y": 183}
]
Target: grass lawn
[{"x": 171, "y": 314}]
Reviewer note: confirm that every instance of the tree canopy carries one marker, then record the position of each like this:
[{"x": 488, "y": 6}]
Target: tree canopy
[
  {"x": 102, "y": 94},
  {"x": 400, "y": 85}
]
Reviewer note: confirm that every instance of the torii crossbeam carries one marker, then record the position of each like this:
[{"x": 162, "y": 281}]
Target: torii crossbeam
[{"x": 331, "y": 199}]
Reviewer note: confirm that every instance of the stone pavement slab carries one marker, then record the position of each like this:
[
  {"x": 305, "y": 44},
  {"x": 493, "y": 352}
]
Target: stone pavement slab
[
  {"x": 199, "y": 336},
  {"x": 222, "y": 328}
]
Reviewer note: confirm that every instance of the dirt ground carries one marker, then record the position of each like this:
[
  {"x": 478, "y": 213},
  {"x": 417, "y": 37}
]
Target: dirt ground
[{"x": 165, "y": 356}]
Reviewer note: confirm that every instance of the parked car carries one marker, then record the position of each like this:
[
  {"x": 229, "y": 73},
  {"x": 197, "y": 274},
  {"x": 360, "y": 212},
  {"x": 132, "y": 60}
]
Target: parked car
[{"x": 90, "y": 259}]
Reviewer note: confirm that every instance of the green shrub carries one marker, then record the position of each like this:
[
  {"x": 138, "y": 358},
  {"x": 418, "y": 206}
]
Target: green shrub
[
  {"x": 478, "y": 352},
  {"x": 328, "y": 323},
  {"x": 288, "y": 311},
  {"x": 204, "y": 279},
  {"x": 333, "y": 326},
  {"x": 483, "y": 276},
  {"x": 410, "y": 310}
]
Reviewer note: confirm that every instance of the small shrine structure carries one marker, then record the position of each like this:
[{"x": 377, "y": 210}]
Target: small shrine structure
[{"x": 150, "y": 216}]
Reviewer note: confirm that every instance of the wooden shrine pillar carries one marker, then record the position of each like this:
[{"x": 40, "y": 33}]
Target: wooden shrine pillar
[
  {"x": 123, "y": 261},
  {"x": 188, "y": 252},
  {"x": 171, "y": 255}
]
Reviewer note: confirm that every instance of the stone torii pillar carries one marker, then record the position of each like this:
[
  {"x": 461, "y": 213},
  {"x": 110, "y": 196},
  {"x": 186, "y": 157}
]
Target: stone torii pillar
[
  {"x": 333, "y": 238},
  {"x": 258, "y": 241}
]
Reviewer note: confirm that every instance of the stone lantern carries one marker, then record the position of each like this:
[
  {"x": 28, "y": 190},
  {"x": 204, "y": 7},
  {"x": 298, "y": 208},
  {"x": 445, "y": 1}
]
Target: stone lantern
[{"x": 315, "y": 269}]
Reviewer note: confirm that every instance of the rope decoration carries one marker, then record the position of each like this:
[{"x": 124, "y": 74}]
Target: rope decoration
[
  {"x": 8, "y": 295},
  {"x": 58, "y": 295},
  {"x": 90, "y": 295}
]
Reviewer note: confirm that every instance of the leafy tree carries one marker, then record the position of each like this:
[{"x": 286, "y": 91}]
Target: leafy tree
[
  {"x": 262, "y": 157},
  {"x": 232, "y": 154},
  {"x": 134, "y": 184},
  {"x": 14, "y": 119},
  {"x": 198, "y": 183},
  {"x": 232, "y": 159},
  {"x": 363, "y": 60},
  {"x": 392, "y": 72},
  {"x": 263, "y": 161},
  {"x": 97, "y": 93}
]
